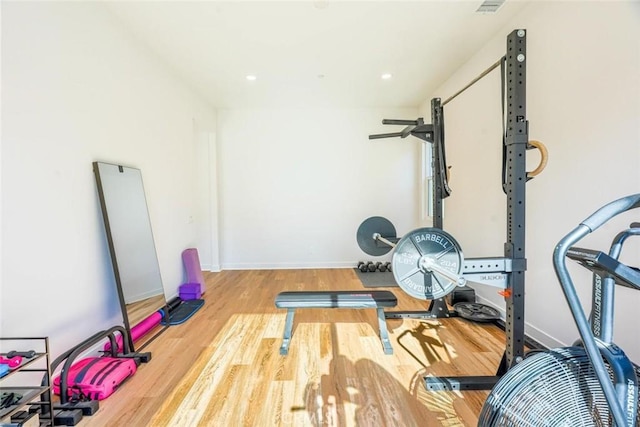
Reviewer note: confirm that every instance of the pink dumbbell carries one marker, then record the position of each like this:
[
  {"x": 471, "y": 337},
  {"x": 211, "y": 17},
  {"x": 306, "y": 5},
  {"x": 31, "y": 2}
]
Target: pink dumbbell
[{"x": 13, "y": 362}]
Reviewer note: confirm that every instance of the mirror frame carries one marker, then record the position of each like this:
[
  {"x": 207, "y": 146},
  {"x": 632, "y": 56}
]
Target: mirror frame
[{"x": 116, "y": 261}]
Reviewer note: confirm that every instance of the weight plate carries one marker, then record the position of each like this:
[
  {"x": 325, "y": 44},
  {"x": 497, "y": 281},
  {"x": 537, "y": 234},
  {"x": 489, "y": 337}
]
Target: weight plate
[
  {"x": 476, "y": 312},
  {"x": 417, "y": 249},
  {"x": 371, "y": 226}
]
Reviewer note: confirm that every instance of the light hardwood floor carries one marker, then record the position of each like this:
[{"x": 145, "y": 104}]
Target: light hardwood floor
[{"x": 223, "y": 367}]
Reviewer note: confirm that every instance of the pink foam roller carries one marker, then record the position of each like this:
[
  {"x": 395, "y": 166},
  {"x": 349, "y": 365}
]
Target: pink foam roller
[
  {"x": 145, "y": 326},
  {"x": 139, "y": 330},
  {"x": 193, "y": 268}
]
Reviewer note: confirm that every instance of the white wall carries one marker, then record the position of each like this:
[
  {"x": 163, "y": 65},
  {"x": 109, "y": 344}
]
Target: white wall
[
  {"x": 296, "y": 183},
  {"x": 583, "y": 102},
  {"x": 76, "y": 88}
]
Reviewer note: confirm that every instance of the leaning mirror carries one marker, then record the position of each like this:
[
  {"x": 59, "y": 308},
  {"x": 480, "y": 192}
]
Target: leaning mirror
[{"x": 131, "y": 245}]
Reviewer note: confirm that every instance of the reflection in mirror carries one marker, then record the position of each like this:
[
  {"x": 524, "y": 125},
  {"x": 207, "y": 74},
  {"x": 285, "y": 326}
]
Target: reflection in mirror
[{"x": 133, "y": 252}]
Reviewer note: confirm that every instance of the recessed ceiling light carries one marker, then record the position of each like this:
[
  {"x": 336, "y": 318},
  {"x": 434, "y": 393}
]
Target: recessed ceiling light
[
  {"x": 251, "y": 77},
  {"x": 386, "y": 76}
]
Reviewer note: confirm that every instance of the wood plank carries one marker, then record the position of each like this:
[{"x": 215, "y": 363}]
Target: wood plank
[{"x": 223, "y": 367}]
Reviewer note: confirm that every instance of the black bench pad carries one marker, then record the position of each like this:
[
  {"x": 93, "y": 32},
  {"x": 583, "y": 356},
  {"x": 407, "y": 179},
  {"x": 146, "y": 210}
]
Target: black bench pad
[{"x": 336, "y": 299}]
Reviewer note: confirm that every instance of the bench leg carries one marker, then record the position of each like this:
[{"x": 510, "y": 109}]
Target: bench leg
[
  {"x": 288, "y": 331},
  {"x": 384, "y": 334}
]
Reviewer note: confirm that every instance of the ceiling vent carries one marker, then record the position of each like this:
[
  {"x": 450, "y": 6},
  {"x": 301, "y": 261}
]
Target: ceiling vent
[{"x": 490, "y": 6}]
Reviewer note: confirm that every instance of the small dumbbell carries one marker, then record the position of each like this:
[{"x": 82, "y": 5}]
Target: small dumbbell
[
  {"x": 388, "y": 266},
  {"x": 363, "y": 267},
  {"x": 382, "y": 267},
  {"x": 28, "y": 354},
  {"x": 13, "y": 362},
  {"x": 372, "y": 267}
]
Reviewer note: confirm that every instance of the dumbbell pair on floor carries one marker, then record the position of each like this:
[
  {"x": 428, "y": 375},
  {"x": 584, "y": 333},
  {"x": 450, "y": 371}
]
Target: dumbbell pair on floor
[{"x": 370, "y": 266}]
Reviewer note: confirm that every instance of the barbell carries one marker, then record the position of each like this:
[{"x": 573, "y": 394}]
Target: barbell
[{"x": 426, "y": 263}]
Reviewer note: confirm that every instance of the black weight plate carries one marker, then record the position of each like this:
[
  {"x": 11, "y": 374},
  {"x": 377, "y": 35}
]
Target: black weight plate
[
  {"x": 476, "y": 312},
  {"x": 413, "y": 249},
  {"x": 371, "y": 226}
]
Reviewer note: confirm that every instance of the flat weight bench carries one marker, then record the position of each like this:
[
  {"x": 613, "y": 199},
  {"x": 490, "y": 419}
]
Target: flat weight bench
[{"x": 336, "y": 299}]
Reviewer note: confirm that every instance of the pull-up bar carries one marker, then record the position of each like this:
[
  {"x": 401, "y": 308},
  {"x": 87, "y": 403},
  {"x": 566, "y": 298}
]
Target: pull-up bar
[
  {"x": 417, "y": 127},
  {"x": 474, "y": 81}
]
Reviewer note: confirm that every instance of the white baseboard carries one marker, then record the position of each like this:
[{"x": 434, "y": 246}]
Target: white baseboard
[
  {"x": 542, "y": 337},
  {"x": 211, "y": 267},
  {"x": 287, "y": 266},
  {"x": 530, "y": 330}
]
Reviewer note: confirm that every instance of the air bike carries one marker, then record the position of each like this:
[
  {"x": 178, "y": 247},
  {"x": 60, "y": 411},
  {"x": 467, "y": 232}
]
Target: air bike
[{"x": 592, "y": 383}]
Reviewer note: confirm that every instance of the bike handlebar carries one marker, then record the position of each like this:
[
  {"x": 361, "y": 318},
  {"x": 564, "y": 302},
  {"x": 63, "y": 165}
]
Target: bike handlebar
[{"x": 590, "y": 224}]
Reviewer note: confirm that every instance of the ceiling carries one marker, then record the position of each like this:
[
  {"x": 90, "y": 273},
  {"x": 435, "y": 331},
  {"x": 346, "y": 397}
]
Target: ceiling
[{"x": 313, "y": 53}]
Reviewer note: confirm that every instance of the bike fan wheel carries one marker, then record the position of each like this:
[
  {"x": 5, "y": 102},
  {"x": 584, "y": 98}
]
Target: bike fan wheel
[{"x": 553, "y": 388}]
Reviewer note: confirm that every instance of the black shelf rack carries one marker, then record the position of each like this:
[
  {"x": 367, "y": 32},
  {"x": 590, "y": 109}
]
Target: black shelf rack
[{"x": 36, "y": 395}]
